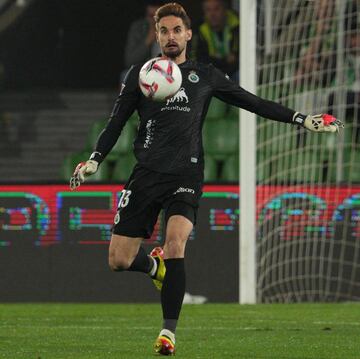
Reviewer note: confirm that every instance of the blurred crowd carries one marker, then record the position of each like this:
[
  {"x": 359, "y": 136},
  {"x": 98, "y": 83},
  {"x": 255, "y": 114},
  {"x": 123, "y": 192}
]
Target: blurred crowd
[{"x": 316, "y": 48}]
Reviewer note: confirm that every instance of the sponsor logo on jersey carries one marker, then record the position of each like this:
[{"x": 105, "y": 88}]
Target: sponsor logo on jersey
[
  {"x": 149, "y": 133},
  {"x": 193, "y": 77},
  {"x": 184, "y": 190},
  {"x": 180, "y": 96}
]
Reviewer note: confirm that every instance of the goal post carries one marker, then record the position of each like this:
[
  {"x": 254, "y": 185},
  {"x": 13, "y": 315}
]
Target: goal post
[{"x": 247, "y": 166}]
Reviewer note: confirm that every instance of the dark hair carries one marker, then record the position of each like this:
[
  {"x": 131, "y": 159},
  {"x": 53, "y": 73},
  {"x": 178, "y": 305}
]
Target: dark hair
[{"x": 172, "y": 9}]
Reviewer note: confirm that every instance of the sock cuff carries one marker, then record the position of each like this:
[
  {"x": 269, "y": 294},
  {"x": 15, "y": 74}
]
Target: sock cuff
[
  {"x": 174, "y": 260},
  {"x": 154, "y": 266},
  {"x": 175, "y": 264},
  {"x": 168, "y": 333}
]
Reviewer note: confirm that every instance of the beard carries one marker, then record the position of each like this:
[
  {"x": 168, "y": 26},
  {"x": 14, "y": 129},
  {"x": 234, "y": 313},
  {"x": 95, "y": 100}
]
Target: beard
[{"x": 173, "y": 53}]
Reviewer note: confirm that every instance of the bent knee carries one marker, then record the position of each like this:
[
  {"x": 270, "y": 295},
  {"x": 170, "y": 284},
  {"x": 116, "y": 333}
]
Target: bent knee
[{"x": 118, "y": 263}]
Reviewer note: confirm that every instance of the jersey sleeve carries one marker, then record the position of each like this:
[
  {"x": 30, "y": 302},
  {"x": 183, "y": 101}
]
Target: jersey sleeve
[
  {"x": 231, "y": 93},
  {"x": 124, "y": 107}
]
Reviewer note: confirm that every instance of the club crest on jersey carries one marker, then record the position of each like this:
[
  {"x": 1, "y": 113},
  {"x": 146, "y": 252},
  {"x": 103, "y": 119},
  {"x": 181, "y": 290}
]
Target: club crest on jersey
[
  {"x": 180, "y": 96},
  {"x": 193, "y": 77}
]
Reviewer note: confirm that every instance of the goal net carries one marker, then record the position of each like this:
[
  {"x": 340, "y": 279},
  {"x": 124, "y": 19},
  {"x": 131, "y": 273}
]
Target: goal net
[{"x": 308, "y": 184}]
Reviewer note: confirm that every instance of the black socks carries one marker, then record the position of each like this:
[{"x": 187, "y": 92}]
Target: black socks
[
  {"x": 172, "y": 293},
  {"x": 173, "y": 289},
  {"x": 142, "y": 262}
]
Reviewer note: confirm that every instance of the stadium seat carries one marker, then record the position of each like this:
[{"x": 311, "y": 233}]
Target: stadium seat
[
  {"x": 230, "y": 170},
  {"x": 321, "y": 141},
  {"x": 123, "y": 167},
  {"x": 265, "y": 168},
  {"x": 124, "y": 144},
  {"x": 67, "y": 169},
  {"x": 93, "y": 134},
  {"x": 350, "y": 156},
  {"x": 134, "y": 120},
  {"x": 352, "y": 163},
  {"x": 102, "y": 174},
  {"x": 210, "y": 172},
  {"x": 350, "y": 134},
  {"x": 221, "y": 138},
  {"x": 302, "y": 167},
  {"x": 353, "y": 173},
  {"x": 233, "y": 112},
  {"x": 275, "y": 137},
  {"x": 70, "y": 162},
  {"x": 217, "y": 108}
]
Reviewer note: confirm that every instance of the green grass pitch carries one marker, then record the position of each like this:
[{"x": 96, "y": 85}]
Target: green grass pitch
[{"x": 76, "y": 331}]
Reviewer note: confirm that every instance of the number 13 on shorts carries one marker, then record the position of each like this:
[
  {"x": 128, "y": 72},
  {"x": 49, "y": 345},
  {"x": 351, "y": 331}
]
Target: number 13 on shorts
[
  {"x": 123, "y": 202},
  {"x": 124, "y": 198}
]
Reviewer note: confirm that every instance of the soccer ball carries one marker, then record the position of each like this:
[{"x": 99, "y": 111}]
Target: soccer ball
[{"x": 160, "y": 79}]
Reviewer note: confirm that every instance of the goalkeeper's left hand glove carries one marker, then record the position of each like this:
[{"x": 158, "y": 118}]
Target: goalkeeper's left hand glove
[{"x": 318, "y": 123}]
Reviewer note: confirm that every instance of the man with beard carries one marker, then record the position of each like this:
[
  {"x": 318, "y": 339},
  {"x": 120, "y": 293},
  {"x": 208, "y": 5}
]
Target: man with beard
[{"x": 169, "y": 170}]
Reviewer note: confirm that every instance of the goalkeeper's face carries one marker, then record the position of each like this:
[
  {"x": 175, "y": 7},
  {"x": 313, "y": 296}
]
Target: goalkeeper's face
[{"x": 172, "y": 36}]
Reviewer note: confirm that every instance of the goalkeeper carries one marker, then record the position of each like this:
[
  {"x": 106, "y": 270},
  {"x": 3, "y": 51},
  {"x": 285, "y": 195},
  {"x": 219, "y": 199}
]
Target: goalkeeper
[{"x": 170, "y": 163}]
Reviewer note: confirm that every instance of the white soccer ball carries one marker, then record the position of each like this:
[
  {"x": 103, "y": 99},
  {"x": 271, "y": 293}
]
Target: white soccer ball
[{"x": 160, "y": 79}]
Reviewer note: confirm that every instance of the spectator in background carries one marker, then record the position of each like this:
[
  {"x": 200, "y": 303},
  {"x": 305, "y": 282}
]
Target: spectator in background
[
  {"x": 318, "y": 53},
  {"x": 141, "y": 43},
  {"x": 217, "y": 39}
]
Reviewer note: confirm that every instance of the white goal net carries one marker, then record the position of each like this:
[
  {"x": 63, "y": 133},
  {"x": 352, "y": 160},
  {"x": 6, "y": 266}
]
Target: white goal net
[{"x": 308, "y": 185}]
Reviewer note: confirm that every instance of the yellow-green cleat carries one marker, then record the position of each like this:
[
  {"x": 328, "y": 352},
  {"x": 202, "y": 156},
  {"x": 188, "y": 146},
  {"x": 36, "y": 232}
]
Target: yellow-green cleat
[
  {"x": 165, "y": 343},
  {"x": 158, "y": 254}
]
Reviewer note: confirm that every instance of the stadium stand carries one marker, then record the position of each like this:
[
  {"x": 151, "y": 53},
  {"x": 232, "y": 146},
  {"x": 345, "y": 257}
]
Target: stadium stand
[
  {"x": 210, "y": 173},
  {"x": 46, "y": 128},
  {"x": 216, "y": 108},
  {"x": 123, "y": 167},
  {"x": 230, "y": 170}
]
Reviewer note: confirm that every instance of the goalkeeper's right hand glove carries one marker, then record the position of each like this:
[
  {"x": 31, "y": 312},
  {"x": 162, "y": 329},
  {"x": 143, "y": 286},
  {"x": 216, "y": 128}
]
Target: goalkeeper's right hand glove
[
  {"x": 82, "y": 170},
  {"x": 318, "y": 123}
]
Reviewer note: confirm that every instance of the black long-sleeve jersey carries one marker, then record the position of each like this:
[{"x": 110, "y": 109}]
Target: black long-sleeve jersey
[{"x": 169, "y": 138}]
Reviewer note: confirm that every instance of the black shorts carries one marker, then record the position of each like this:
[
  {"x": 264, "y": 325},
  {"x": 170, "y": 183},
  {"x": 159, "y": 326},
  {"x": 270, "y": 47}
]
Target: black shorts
[{"x": 147, "y": 192}]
